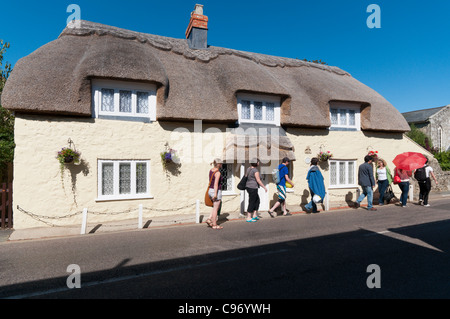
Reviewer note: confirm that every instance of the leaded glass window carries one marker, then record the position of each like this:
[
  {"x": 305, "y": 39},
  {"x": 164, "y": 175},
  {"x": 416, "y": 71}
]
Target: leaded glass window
[
  {"x": 125, "y": 101},
  {"x": 142, "y": 102},
  {"x": 258, "y": 111},
  {"x": 120, "y": 179},
  {"x": 333, "y": 173},
  {"x": 107, "y": 179},
  {"x": 141, "y": 178},
  {"x": 351, "y": 173},
  {"x": 245, "y": 110},
  {"x": 124, "y": 178},
  {"x": 334, "y": 116},
  {"x": 342, "y": 173},
  {"x": 343, "y": 117},
  {"x": 227, "y": 177},
  {"x": 270, "y": 112},
  {"x": 351, "y": 118},
  {"x": 107, "y": 100}
]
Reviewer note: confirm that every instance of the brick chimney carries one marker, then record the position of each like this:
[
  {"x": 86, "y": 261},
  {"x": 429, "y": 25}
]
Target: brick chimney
[{"x": 197, "y": 31}]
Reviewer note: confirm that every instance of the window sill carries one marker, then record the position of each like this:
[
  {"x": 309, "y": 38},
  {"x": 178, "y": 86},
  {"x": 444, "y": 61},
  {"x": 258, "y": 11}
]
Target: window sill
[
  {"x": 344, "y": 129},
  {"x": 229, "y": 193},
  {"x": 344, "y": 187},
  {"x": 115, "y": 198}
]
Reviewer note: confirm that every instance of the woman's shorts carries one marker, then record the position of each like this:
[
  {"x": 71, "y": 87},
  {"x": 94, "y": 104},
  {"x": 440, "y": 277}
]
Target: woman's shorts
[
  {"x": 211, "y": 194},
  {"x": 281, "y": 191}
]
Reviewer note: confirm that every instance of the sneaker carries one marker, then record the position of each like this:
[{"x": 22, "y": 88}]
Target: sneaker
[
  {"x": 420, "y": 201},
  {"x": 427, "y": 205}
]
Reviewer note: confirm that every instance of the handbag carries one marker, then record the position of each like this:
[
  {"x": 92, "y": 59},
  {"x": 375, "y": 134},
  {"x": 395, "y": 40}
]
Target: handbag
[
  {"x": 208, "y": 200},
  {"x": 389, "y": 194},
  {"x": 397, "y": 180},
  {"x": 242, "y": 183}
]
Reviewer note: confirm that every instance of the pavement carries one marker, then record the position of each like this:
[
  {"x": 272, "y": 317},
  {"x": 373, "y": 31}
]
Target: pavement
[{"x": 9, "y": 235}]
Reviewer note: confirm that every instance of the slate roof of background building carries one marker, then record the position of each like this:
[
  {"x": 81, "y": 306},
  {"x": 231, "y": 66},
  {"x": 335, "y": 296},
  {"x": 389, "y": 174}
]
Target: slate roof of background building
[{"x": 420, "y": 116}]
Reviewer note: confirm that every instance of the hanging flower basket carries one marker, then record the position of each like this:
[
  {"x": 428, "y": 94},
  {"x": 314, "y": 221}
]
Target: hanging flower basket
[
  {"x": 374, "y": 155},
  {"x": 324, "y": 156},
  {"x": 169, "y": 156},
  {"x": 68, "y": 156}
]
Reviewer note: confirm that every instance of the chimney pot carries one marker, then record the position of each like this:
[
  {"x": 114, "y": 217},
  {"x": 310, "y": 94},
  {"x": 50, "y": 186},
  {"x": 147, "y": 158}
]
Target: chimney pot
[{"x": 198, "y": 9}]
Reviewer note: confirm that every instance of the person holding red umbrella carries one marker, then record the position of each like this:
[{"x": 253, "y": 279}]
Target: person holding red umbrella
[
  {"x": 404, "y": 184},
  {"x": 405, "y": 163}
]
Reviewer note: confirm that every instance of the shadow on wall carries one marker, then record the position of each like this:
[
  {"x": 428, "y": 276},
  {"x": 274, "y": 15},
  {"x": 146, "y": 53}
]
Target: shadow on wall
[{"x": 75, "y": 169}]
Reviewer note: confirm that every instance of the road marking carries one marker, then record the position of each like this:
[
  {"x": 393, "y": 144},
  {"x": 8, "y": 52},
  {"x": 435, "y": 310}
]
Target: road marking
[
  {"x": 378, "y": 233},
  {"x": 147, "y": 274},
  {"x": 410, "y": 240}
]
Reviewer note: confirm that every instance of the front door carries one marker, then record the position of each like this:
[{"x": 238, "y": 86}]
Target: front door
[{"x": 264, "y": 170}]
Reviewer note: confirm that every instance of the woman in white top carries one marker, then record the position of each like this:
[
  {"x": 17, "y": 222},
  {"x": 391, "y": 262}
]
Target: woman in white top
[{"x": 384, "y": 179}]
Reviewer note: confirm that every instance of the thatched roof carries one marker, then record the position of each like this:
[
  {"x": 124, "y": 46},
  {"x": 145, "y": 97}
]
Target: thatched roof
[{"x": 192, "y": 84}]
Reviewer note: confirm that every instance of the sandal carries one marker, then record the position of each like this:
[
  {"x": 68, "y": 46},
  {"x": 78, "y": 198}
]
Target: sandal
[
  {"x": 209, "y": 222},
  {"x": 216, "y": 227},
  {"x": 271, "y": 213}
]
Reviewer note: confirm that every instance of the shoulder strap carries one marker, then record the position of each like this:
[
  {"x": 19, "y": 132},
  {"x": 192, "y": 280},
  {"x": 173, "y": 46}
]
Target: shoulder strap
[{"x": 210, "y": 179}]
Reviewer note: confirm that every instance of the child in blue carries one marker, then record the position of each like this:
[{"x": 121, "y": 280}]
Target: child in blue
[{"x": 283, "y": 171}]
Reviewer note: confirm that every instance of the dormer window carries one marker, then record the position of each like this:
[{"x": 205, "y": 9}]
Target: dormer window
[
  {"x": 258, "y": 109},
  {"x": 345, "y": 116},
  {"x": 118, "y": 99}
]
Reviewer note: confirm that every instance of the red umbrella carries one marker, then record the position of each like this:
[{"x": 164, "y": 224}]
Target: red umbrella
[{"x": 409, "y": 161}]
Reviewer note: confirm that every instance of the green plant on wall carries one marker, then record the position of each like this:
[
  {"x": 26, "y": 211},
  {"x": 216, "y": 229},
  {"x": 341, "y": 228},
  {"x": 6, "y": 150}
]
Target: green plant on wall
[{"x": 6, "y": 119}]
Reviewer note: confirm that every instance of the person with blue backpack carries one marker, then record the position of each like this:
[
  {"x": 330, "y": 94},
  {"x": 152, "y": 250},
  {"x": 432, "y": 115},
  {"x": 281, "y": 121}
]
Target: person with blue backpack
[
  {"x": 316, "y": 186},
  {"x": 280, "y": 180}
]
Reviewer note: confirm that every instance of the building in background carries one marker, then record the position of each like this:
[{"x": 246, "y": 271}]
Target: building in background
[{"x": 435, "y": 123}]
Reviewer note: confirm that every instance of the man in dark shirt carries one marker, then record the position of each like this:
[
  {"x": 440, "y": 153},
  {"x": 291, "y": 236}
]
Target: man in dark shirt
[{"x": 367, "y": 182}]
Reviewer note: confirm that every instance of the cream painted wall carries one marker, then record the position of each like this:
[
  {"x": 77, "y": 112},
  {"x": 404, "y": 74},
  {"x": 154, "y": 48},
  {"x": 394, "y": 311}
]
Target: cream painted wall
[{"x": 54, "y": 201}]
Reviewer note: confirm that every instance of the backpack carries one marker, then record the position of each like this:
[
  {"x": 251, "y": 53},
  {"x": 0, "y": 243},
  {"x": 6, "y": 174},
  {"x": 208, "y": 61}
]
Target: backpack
[
  {"x": 276, "y": 176},
  {"x": 420, "y": 175}
]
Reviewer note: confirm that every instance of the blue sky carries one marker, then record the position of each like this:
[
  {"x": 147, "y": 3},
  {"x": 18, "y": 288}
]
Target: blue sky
[{"x": 407, "y": 60}]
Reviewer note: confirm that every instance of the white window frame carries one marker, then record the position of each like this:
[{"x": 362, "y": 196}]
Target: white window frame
[
  {"x": 259, "y": 98},
  {"x": 117, "y": 86},
  {"x": 116, "y": 195},
  {"x": 340, "y": 106},
  {"x": 355, "y": 176}
]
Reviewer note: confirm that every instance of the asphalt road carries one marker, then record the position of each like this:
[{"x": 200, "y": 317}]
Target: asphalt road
[{"x": 323, "y": 255}]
